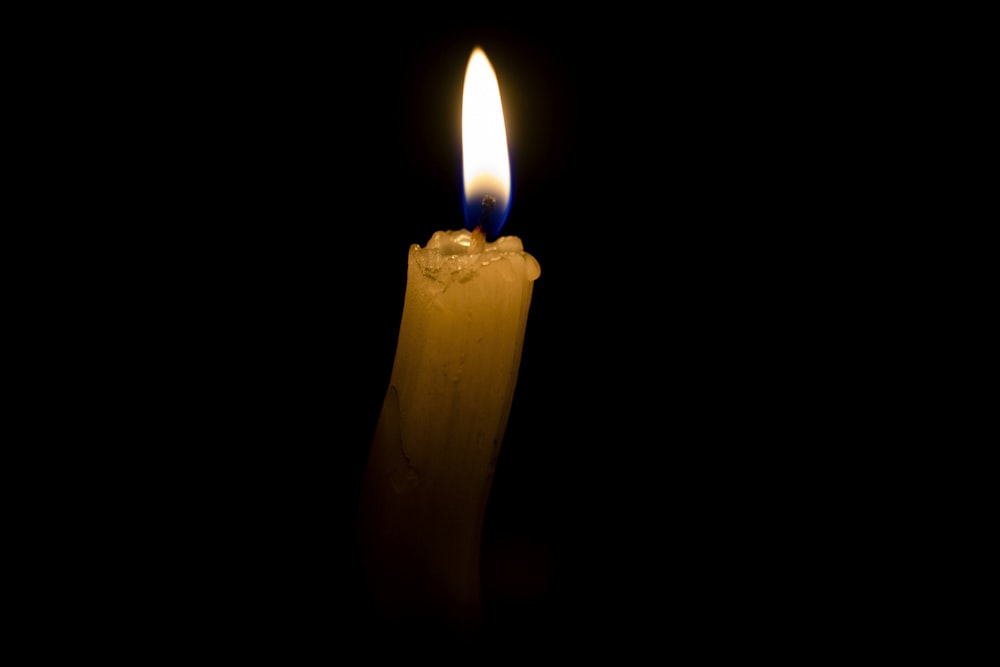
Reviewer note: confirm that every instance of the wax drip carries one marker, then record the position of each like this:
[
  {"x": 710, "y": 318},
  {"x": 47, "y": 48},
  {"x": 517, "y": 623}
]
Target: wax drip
[{"x": 402, "y": 475}]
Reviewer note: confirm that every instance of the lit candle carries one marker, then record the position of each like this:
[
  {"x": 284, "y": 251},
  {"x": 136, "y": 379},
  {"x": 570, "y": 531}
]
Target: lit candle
[{"x": 439, "y": 433}]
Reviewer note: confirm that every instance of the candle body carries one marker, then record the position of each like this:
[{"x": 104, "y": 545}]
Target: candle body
[{"x": 439, "y": 433}]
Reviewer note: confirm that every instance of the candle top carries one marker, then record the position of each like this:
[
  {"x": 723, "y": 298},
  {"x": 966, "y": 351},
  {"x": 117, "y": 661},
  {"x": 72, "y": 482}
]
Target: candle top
[{"x": 462, "y": 251}]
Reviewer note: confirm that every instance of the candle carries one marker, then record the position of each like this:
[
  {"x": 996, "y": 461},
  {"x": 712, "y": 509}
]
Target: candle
[{"x": 442, "y": 422}]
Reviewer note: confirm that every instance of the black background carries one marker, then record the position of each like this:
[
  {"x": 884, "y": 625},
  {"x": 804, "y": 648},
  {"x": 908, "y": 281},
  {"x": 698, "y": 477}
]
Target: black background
[{"x": 669, "y": 457}]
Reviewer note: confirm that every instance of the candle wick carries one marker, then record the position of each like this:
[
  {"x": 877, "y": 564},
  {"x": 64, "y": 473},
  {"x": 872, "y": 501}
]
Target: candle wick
[
  {"x": 477, "y": 242},
  {"x": 488, "y": 202}
]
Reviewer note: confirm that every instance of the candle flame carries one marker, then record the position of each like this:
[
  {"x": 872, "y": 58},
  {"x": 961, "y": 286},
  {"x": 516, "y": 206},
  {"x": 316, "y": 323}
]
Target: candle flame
[{"x": 486, "y": 166}]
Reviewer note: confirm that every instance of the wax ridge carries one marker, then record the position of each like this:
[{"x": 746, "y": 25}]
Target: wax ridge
[{"x": 451, "y": 251}]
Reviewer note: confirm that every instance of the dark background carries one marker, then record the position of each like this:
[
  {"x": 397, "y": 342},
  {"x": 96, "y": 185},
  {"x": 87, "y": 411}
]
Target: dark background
[{"x": 671, "y": 462}]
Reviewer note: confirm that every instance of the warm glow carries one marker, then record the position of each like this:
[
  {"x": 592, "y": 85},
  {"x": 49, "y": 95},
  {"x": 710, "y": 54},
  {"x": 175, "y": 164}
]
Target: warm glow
[{"x": 486, "y": 167}]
